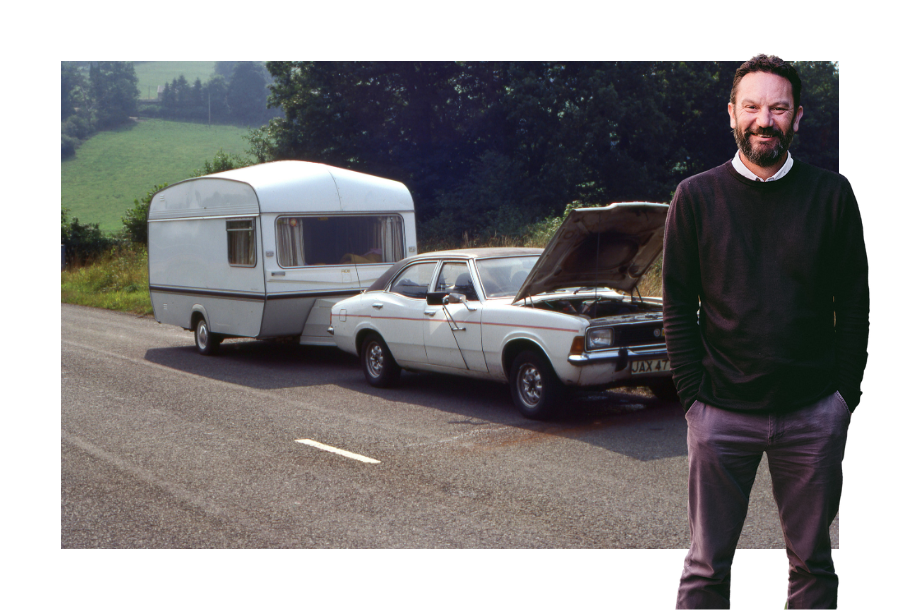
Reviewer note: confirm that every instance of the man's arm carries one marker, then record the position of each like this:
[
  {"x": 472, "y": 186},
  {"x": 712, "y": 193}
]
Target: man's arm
[
  {"x": 851, "y": 300},
  {"x": 681, "y": 291}
]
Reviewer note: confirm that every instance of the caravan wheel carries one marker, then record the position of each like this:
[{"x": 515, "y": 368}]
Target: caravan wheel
[{"x": 207, "y": 342}]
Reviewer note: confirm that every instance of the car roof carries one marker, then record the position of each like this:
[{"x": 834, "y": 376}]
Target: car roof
[
  {"x": 480, "y": 252},
  {"x": 462, "y": 254}
]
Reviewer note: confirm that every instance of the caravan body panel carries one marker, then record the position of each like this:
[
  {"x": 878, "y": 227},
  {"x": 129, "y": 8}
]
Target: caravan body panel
[{"x": 257, "y": 247}]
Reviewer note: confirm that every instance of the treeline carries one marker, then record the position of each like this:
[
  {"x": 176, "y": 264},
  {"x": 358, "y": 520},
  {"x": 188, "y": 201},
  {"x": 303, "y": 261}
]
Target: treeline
[
  {"x": 235, "y": 94},
  {"x": 490, "y": 147},
  {"x": 98, "y": 95},
  {"x": 95, "y": 95}
]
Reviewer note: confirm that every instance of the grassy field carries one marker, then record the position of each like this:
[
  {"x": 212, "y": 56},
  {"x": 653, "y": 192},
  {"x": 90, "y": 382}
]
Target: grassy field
[
  {"x": 154, "y": 73},
  {"x": 114, "y": 168}
]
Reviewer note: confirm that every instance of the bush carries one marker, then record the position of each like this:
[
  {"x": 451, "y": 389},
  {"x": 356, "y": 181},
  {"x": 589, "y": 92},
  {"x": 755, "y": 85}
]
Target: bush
[
  {"x": 221, "y": 162},
  {"x": 135, "y": 219},
  {"x": 68, "y": 145},
  {"x": 83, "y": 242},
  {"x": 117, "y": 279}
]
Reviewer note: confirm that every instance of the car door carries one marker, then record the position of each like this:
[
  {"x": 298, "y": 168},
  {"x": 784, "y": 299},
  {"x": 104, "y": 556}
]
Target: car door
[
  {"x": 453, "y": 331},
  {"x": 398, "y": 312}
]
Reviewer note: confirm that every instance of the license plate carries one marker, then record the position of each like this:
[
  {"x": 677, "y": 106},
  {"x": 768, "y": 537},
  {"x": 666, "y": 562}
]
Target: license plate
[{"x": 646, "y": 367}]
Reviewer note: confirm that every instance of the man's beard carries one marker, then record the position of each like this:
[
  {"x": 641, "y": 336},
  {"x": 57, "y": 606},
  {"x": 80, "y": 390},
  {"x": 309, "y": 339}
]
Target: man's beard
[{"x": 764, "y": 156}]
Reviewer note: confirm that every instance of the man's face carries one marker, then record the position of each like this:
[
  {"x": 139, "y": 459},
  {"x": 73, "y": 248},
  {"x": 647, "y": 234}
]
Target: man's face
[{"x": 763, "y": 117}]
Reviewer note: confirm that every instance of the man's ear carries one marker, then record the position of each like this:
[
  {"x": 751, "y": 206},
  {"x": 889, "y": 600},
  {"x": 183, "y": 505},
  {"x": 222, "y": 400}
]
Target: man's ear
[
  {"x": 731, "y": 115},
  {"x": 797, "y": 116}
]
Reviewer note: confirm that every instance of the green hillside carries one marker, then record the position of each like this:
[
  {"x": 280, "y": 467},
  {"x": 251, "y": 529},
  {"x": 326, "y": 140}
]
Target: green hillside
[
  {"x": 113, "y": 168},
  {"x": 154, "y": 73}
]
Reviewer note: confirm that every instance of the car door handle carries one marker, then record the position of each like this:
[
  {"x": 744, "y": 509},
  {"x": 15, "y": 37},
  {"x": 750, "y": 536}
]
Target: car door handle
[
  {"x": 377, "y": 305},
  {"x": 431, "y": 313}
]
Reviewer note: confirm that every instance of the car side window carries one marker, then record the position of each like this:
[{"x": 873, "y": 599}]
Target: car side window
[
  {"x": 413, "y": 281},
  {"x": 455, "y": 277}
]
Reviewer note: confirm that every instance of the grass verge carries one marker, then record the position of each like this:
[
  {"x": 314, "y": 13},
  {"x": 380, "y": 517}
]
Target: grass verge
[{"x": 117, "y": 280}]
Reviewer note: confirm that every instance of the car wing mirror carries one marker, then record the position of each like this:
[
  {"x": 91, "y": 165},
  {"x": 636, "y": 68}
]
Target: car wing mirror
[
  {"x": 455, "y": 297},
  {"x": 435, "y": 298}
]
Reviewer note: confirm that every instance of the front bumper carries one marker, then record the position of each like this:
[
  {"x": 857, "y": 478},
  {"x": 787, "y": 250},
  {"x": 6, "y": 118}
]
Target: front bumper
[{"x": 620, "y": 356}]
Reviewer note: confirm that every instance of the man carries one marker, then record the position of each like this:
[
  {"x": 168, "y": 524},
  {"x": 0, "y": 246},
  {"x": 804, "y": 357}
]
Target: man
[{"x": 771, "y": 251}]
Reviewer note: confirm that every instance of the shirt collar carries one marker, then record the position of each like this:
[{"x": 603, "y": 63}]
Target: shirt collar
[{"x": 745, "y": 172}]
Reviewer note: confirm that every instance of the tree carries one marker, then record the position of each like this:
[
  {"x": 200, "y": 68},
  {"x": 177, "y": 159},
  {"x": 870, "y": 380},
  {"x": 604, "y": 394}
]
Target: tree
[
  {"x": 489, "y": 144},
  {"x": 817, "y": 140},
  {"x": 72, "y": 88},
  {"x": 114, "y": 91},
  {"x": 246, "y": 93},
  {"x": 216, "y": 88}
]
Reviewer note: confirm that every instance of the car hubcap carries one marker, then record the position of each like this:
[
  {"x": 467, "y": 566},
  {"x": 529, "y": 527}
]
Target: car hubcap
[
  {"x": 202, "y": 336},
  {"x": 375, "y": 360},
  {"x": 530, "y": 385}
]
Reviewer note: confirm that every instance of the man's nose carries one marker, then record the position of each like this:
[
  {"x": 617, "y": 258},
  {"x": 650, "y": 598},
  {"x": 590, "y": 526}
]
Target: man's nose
[{"x": 764, "y": 117}]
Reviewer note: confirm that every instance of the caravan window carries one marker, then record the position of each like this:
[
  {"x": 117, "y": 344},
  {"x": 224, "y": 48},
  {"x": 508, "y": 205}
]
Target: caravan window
[
  {"x": 338, "y": 240},
  {"x": 241, "y": 242}
]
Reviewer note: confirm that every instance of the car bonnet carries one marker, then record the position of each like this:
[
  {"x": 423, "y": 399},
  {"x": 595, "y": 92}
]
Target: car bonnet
[{"x": 608, "y": 247}]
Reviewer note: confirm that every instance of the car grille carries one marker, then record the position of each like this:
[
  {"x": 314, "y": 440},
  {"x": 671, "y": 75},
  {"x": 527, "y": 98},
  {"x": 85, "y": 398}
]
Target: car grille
[{"x": 639, "y": 334}]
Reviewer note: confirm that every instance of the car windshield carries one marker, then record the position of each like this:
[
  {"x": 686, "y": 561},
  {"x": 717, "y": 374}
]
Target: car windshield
[{"x": 502, "y": 277}]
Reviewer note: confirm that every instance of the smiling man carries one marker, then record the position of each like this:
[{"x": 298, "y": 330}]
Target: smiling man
[{"x": 771, "y": 250}]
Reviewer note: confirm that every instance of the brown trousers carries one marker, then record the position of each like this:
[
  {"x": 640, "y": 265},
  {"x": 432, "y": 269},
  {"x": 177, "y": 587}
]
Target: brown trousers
[{"x": 804, "y": 449}]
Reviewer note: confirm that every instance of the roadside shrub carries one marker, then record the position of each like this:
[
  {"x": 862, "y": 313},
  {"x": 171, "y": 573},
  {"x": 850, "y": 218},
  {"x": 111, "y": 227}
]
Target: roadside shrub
[
  {"x": 135, "y": 219},
  {"x": 117, "y": 280},
  {"x": 83, "y": 242}
]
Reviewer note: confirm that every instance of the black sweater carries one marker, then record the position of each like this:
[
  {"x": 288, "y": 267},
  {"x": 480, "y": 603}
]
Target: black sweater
[{"x": 780, "y": 271}]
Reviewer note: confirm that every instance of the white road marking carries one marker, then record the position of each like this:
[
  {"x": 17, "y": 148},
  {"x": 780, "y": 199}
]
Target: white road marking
[{"x": 323, "y": 447}]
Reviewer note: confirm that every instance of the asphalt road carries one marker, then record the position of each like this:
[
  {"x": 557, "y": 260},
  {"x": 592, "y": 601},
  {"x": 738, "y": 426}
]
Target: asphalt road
[{"x": 164, "y": 448}]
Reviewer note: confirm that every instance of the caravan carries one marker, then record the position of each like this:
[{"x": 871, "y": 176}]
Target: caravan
[{"x": 265, "y": 251}]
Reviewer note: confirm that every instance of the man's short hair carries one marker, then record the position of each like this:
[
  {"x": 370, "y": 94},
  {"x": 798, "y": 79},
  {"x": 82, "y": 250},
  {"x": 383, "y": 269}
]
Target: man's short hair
[{"x": 773, "y": 65}]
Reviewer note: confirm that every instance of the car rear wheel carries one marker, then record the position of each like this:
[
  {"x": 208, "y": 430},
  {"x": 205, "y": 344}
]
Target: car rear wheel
[
  {"x": 535, "y": 388},
  {"x": 207, "y": 342},
  {"x": 378, "y": 364}
]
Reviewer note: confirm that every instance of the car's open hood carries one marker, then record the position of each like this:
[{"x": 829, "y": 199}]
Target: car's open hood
[{"x": 609, "y": 247}]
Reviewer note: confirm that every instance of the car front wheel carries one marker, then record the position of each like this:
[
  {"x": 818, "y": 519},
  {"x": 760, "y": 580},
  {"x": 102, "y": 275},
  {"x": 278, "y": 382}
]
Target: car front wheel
[
  {"x": 378, "y": 364},
  {"x": 534, "y": 386}
]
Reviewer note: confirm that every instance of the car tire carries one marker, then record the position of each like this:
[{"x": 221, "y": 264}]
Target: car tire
[
  {"x": 207, "y": 341},
  {"x": 535, "y": 388},
  {"x": 378, "y": 363},
  {"x": 664, "y": 390}
]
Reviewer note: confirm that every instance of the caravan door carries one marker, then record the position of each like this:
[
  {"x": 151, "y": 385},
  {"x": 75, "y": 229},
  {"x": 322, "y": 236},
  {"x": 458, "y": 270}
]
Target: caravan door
[{"x": 319, "y": 257}]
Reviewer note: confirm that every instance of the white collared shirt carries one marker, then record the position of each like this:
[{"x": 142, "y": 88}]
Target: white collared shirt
[{"x": 745, "y": 171}]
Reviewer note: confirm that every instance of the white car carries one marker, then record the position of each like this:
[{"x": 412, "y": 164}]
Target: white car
[{"x": 537, "y": 319}]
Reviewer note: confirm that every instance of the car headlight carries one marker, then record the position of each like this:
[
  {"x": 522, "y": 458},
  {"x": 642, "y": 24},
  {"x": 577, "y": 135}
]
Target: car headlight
[{"x": 598, "y": 338}]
